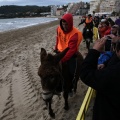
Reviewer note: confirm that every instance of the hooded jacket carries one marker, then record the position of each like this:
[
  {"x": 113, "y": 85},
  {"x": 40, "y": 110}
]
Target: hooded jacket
[
  {"x": 104, "y": 31},
  {"x": 71, "y": 38}
]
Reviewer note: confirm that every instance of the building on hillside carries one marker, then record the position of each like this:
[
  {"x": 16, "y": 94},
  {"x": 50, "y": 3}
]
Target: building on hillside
[
  {"x": 70, "y": 6},
  {"x": 80, "y": 8},
  {"x": 94, "y": 5},
  {"x": 110, "y": 6},
  {"x": 117, "y": 4},
  {"x": 53, "y": 10},
  {"x": 60, "y": 11},
  {"x": 84, "y": 8}
]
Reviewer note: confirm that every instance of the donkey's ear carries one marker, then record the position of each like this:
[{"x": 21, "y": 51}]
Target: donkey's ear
[
  {"x": 43, "y": 54},
  {"x": 59, "y": 56}
]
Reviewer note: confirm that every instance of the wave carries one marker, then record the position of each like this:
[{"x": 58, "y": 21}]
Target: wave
[{"x": 16, "y": 23}]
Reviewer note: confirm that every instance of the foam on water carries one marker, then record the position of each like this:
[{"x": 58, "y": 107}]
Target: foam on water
[{"x": 16, "y": 23}]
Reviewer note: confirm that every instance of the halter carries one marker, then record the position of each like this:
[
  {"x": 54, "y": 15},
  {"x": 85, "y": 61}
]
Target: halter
[{"x": 47, "y": 95}]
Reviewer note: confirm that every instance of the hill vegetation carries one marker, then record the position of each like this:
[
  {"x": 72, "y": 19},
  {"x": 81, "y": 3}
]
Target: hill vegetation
[{"x": 12, "y": 11}]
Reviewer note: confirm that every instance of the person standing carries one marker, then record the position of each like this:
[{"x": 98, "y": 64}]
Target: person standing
[
  {"x": 104, "y": 28},
  {"x": 68, "y": 36},
  {"x": 105, "y": 81},
  {"x": 117, "y": 21},
  {"x": 88, "y": 22}
]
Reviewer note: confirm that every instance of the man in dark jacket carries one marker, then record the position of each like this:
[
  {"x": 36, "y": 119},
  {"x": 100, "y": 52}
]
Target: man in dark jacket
[{"x": 106, "y": 82}]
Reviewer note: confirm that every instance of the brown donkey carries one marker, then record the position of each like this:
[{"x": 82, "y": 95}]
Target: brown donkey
[{"x": 55, "y": 77}]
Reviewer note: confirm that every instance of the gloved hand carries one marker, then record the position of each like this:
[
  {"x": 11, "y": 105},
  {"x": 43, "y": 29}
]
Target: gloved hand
[{"x": 56, "y": 51}]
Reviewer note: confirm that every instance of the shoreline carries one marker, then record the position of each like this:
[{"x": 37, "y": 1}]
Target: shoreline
[
  {"x": 17, "y": 23},
  {"x": 15, "y": 33}
]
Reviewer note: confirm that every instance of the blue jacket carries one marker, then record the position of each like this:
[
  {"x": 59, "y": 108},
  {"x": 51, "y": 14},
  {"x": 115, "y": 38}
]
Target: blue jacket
[{"x": 104, "y": 57}]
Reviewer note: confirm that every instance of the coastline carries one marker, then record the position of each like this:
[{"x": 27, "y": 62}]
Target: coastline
[{"x": 15, "y": 33}]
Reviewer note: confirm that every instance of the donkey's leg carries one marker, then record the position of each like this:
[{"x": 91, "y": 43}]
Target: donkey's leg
[
  {"x": 50, "y": 109},
  {"x": 65, "y": 95}
]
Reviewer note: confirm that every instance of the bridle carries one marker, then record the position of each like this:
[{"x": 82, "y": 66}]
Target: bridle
[{"x": 47, "y": 95}]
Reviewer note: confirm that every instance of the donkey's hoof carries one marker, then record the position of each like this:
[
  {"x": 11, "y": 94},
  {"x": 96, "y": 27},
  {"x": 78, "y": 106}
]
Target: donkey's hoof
[
  {"x": 52, "y": 115},
  {"x": 66, "y": 107}
]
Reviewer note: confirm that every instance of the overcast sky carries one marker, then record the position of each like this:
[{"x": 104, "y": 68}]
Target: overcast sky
[{"x": 38, "y": 2}]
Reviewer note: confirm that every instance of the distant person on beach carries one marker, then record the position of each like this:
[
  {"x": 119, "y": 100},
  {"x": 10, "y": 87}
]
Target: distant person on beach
[
  {"x": 106, "y": 82},
  {"x": 68, "y": 36},
  {"x": 87, "y": 22}
]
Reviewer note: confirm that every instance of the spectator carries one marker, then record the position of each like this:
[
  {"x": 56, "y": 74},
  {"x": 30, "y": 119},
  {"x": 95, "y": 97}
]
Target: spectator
[
  {"x": 106, "y": 82},
  {"x": 109, "y": 48},
  {"x": 117, "y": 21},
  {"x": 88, "y": 22},
  {"x": 111, "y": 22},
  {"x": 68, "y": 36},
  {"x": 104, "y": 28}
]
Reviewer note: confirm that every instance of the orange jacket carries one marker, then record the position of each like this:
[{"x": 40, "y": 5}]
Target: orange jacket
[
  {"x": 104, "y": 31},
  {"x": 71, "y": 38},
  {"x": 88, "y": 20},
  {"x": 64, "y": 39}
]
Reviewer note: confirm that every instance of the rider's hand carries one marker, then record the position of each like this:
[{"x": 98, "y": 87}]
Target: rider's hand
[
  {"x": 100, "y": 66},
  {"x": 55, "y": 51}
]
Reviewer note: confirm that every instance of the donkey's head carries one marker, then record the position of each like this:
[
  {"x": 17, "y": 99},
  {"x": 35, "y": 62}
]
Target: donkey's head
[{"x": 49, "y": 71}]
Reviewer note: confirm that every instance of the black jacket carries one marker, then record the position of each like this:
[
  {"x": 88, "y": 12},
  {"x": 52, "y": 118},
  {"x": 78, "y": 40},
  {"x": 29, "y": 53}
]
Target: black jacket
[
  {"x": 106, "y": 82},
  {"x": 84, "y": 21}
]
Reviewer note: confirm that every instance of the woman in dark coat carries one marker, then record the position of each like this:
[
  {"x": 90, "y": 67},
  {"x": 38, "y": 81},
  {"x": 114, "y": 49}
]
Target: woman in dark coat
[{"x": 106, "y": 82}]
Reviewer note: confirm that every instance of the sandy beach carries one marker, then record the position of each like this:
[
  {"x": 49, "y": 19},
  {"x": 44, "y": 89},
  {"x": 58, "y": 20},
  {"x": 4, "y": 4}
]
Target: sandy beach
[{"x": 20, "y": 87}]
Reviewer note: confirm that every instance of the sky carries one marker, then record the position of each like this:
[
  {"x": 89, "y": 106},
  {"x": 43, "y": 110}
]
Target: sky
[{"x": 38, "y": 2}]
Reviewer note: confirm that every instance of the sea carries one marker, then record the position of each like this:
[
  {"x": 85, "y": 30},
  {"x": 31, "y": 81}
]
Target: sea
[{"x": 16, "y": 23}]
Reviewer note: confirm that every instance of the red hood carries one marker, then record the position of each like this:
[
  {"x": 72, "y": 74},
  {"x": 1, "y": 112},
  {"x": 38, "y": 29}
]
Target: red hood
[{"x": 69, "y": 19}]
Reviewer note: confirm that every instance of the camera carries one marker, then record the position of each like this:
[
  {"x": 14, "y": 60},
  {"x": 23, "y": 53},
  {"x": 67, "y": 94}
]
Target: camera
[
  {"x": 108, "y": 43},
  {"x": 109, "y": 38}
]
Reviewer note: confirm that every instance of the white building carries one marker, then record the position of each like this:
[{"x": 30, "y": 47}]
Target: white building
[
  {"x": 104, "y": 6},
  {"x": 110, "y": 6},
  {"x": 94, "y": 5},
  {"x": 53, "y": 10}
]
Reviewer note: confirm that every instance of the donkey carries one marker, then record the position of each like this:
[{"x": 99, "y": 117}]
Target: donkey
[{"x": 54, "y": 78}]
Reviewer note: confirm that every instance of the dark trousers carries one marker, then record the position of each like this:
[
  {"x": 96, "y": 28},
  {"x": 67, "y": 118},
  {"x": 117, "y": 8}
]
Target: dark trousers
[{"x": 68, "y": 72}]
